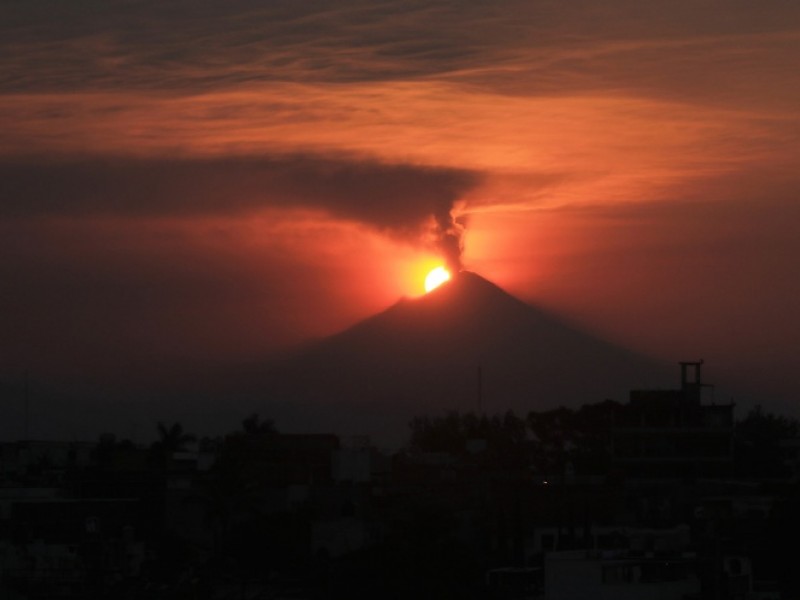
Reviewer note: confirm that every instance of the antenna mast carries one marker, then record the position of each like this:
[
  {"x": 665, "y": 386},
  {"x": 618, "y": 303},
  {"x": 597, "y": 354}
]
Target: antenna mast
[{"x": 480, "y": 390}]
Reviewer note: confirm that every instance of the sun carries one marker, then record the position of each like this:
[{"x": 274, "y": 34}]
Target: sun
[{"x": 436, "y": 278}]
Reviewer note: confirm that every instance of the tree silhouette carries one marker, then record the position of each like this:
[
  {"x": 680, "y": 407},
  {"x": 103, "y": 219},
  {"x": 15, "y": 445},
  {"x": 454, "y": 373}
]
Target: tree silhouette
[
  {"x": 758, "y": 440},
  {"x": 546, "y": 441},
  {"x": 234, "y": 484},
  {"x": 172, "y": 439},
  {"x": 254, "y": 426}
]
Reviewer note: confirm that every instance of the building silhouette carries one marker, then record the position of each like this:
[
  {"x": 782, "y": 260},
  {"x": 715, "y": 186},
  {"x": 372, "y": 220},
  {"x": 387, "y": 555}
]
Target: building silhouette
[{"x": 674, "y": 434}]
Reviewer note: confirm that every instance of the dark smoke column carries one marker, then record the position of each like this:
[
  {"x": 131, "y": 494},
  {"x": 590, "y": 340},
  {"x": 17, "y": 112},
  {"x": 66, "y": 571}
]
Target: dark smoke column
[{"x": 450, "y": 233}]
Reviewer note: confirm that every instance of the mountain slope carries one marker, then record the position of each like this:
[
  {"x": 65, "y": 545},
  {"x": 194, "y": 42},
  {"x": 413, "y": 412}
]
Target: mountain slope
[{"x": 423, "y": 355}]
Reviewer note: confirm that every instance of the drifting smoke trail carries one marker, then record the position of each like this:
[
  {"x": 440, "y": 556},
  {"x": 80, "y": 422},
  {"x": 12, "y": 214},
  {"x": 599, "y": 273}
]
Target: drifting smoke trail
[{"x": 412, "y": 202}]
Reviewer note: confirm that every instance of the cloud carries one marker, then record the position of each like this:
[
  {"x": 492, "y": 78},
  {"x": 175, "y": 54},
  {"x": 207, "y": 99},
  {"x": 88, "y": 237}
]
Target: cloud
[
  {"x": 147, "y": 45},
  {"x": 535, "y": 47}
]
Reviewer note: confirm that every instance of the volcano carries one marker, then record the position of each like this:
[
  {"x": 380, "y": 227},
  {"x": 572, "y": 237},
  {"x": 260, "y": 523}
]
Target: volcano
[{"x": 466, "y": 346}]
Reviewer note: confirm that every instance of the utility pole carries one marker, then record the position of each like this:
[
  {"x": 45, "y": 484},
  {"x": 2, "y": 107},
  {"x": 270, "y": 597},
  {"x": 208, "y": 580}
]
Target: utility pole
[
  {"x": 480, "y": 390},
  {"x": 27, "y": 407}
]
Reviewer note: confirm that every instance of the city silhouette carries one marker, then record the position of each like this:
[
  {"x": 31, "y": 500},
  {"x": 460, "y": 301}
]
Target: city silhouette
[{"x": 666, "y": 493}]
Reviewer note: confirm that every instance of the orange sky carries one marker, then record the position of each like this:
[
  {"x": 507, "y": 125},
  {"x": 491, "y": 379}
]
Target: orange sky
[{"x": 214, "y": 183}]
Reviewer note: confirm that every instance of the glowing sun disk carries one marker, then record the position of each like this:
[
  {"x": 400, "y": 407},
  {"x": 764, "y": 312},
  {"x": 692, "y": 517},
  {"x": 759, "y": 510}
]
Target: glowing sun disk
[{"x": 436, "y": 278}]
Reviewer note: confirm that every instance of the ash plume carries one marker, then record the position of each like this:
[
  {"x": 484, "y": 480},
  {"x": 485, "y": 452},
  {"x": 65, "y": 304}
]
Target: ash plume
[
  {"x": 409, "y": 201},
  {"x": 449, "y": 235}
]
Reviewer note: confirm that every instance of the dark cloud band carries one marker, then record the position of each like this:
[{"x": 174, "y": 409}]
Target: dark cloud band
[{"x": 389, "y": 196}]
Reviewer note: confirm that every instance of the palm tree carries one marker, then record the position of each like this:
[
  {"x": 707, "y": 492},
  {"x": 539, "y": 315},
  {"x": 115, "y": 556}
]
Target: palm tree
[{"x": 172, "y": 439}]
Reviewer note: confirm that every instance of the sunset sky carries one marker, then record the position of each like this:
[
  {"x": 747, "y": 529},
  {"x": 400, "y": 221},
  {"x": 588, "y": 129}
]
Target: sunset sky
[{"x": 197, "y": 182}]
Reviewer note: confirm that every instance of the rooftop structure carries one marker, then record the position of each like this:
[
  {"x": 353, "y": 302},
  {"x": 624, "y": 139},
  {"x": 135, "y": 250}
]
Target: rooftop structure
[{"x": 674, "y": 434}]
